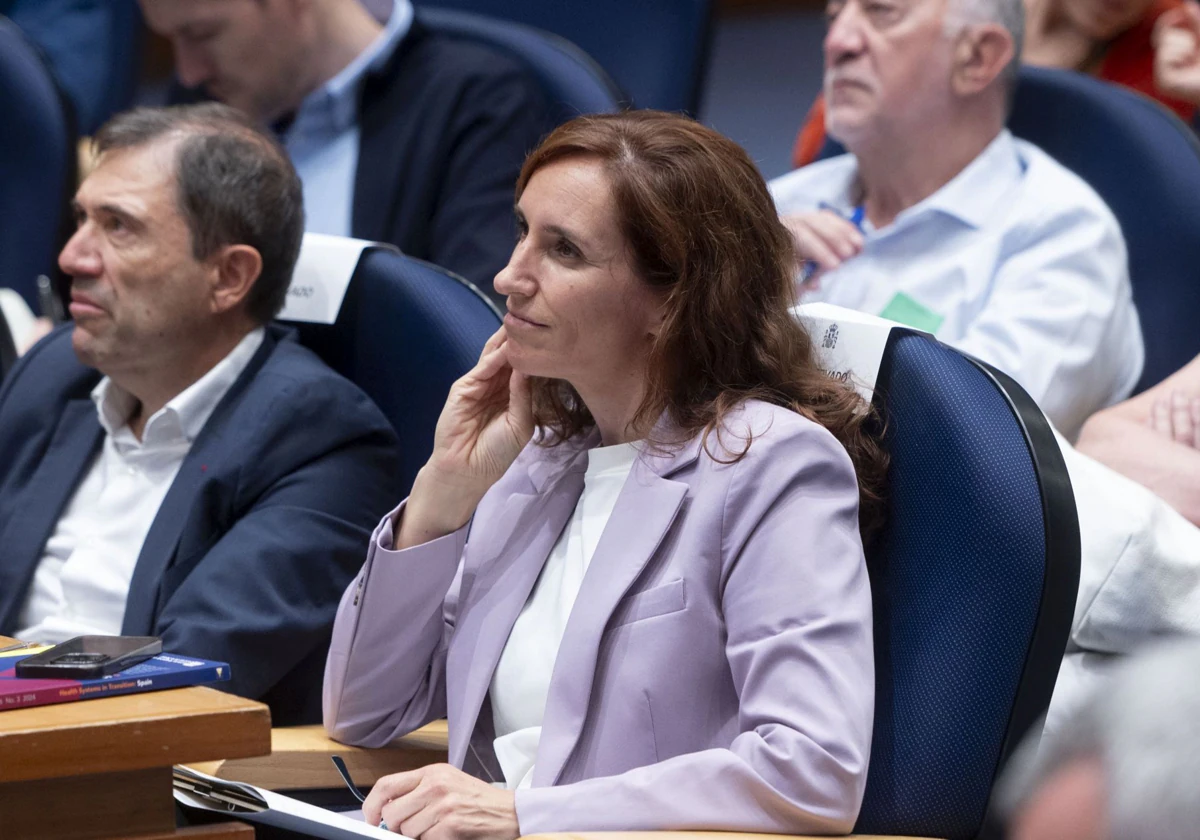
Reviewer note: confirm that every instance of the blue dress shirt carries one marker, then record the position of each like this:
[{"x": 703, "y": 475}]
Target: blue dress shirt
[{"x": 323, "y": 139}]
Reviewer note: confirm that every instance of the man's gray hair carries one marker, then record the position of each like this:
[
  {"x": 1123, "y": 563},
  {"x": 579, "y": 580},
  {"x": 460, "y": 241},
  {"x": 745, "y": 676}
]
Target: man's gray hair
[
  {"x": 1007, "y": 13},
  {"x": 235, "y": 184},
  {"x": 1143, "y": 727}
]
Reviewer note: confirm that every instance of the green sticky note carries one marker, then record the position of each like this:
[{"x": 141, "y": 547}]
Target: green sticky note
[{"x": 912, "y": 313}]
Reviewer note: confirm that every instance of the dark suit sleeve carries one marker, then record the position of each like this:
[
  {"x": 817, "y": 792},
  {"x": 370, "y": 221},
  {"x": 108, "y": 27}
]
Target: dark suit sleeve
[
  {"x": 499, "y": 120},
  {"x": 264, "y": 595},
  {"x": 32, "y": 396}
]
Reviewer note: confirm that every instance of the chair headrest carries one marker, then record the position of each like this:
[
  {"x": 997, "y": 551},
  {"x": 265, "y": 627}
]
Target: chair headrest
[
  {"x": 322, "y": 276},
  {"x": 850, "y": 345}
]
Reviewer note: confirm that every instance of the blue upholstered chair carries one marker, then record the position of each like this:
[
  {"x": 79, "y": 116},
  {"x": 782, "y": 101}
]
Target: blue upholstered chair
[
  {"x": 573, "y": 82},
  {"x": 93, "y": 47},
  {"x": 126, "y": 38},
  {"x": 1145, "y": 162},
  {"x": 974, "y": 581},
  {"x": 37, "y": 165},
  {"x": 657, "y": 51},
  {"x": 406, "y": 330}
]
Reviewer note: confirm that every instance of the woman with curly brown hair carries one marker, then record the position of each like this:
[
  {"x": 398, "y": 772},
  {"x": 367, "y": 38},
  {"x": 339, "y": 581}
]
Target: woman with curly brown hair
[{"x": 631, "y": 573}]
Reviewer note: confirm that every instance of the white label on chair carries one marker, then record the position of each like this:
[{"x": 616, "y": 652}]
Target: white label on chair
[
  {"x": 19, "y": 316},
  {"x": 321, "y": 277},
  {"x": 849, "y": 344}
]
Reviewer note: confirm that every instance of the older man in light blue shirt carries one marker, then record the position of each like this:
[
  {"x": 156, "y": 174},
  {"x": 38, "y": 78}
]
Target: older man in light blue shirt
[{"x": 940, "y": 219}]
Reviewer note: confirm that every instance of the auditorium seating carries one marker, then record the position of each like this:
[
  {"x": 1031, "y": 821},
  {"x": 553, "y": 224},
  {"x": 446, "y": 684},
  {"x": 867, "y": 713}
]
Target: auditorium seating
[
  {"x": 574, "y": 84},
  {"x": 974, "y": 581},
  {"x": 974, "y": 576},
  {"x": 657, "y": 51},
  {"x": 37, "y": 166},
  {"x": 406, "y": 330}
]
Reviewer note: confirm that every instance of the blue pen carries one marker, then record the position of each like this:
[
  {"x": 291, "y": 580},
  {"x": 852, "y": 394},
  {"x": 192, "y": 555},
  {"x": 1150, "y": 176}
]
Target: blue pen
[{"x": 810, "y": 267}]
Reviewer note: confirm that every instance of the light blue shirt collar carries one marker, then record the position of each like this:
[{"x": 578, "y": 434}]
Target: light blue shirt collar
[
  {"x": 333, "y": 108},
  {"x": 971, "y": 196}
]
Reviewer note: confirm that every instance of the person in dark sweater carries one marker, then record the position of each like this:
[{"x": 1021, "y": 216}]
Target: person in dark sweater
[{"x": 400, "y": 134}]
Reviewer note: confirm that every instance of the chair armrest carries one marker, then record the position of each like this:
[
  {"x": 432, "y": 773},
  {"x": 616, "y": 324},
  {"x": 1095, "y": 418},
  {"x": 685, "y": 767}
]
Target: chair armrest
[{"x": 300, "y": 759}]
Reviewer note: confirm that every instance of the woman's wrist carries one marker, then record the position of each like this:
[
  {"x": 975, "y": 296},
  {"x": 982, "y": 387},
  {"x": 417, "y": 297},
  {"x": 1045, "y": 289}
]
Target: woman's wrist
[{"x": 437, "y": 506}]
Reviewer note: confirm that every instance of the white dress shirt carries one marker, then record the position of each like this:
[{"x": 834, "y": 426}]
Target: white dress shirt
[
  {"x": 1015, "y": 261},
  {"x": 322, "y": 140},
  {"x": 521, "y": 681},
  {"x": 81, "y": 583}
]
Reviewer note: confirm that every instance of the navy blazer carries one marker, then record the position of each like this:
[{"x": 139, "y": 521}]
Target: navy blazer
[
  {"x": 444, "y": 127},
  {"x": 265, "y": 524}
]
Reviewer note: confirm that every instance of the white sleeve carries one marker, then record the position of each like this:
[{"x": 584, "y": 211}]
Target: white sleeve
[
  {"x": 1139, "y": 579},
  {"x": 1140, "y": 562}
]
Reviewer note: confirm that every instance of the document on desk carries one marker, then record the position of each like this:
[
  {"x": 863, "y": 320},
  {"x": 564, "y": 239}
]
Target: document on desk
[{"x": 247, "y": 802}]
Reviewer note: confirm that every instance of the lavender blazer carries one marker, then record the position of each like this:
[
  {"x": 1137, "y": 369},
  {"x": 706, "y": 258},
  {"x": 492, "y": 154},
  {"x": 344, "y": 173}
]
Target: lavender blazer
[{"x": 716, "y": 671}]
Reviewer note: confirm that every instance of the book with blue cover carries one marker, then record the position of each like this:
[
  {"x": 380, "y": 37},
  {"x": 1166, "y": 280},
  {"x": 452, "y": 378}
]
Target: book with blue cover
[{"x": 167, "y": 670}]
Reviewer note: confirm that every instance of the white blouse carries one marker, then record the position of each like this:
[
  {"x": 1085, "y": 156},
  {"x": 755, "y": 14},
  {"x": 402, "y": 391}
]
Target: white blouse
[{"x": 522, "y": 678}]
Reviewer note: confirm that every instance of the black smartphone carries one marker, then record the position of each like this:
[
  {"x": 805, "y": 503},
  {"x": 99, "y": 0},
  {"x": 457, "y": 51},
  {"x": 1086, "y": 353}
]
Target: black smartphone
[{"x": 89, "y": 657}]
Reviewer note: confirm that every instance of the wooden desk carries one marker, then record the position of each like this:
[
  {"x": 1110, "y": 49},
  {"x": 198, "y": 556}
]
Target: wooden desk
[
  {"x": 299, "y": 759},
  {"x": 102, "y": 768}
]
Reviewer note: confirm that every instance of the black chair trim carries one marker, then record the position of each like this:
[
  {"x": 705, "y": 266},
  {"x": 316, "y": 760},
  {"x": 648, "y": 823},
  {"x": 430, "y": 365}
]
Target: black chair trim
[
  {"x": 1052, "y": 629},
  {"x": 383, "y": 246}
]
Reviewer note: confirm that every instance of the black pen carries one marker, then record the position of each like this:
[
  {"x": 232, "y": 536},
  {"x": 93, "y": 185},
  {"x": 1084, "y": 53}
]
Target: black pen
[
  {"x": 48, "y": 300},
  {"x": 19, "y": 646}
]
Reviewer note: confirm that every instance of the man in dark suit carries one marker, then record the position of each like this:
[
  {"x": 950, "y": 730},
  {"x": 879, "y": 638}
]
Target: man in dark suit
[
  {"x": 399, "y": 134},
  {"x": 174, "y": 464}
]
